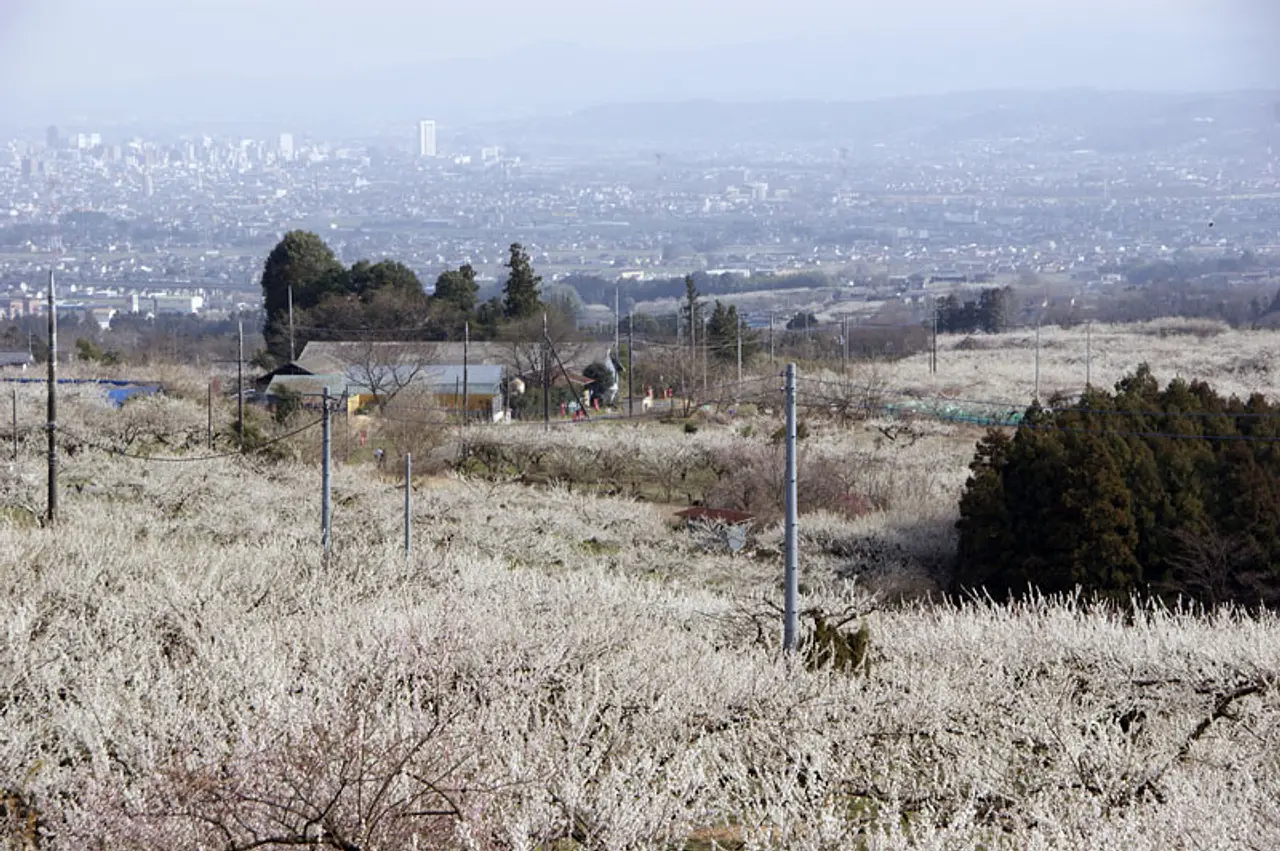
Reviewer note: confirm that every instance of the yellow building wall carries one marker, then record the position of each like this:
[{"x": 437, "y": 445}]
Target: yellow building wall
[{"x": 446, "y": 401}]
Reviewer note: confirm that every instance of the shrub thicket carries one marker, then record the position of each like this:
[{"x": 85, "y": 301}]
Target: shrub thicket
[{"x": 1173, "y": 491}]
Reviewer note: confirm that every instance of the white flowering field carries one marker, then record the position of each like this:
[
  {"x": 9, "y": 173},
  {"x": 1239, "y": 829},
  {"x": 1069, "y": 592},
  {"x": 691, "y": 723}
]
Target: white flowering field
[{"x": 559, "y": 668}]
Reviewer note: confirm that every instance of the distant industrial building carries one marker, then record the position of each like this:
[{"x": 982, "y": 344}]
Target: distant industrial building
[{"x": 426, "y": 139}]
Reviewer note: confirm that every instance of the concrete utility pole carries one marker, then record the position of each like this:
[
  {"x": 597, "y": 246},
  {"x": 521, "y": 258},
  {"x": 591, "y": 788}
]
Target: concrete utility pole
[
  {"x": 15, "y": 424},
  {"x": 739, "y": 350},
  {"x": 51, "y": 513},
  {"x": 771, "y": 361},
  {"x": 693, "y": 329},
  {"x": 466, "y": 345},
  {"x": 617, "y": 320},
  {"x": 240, "y": 385},
  {"x": 791, "y": 580},
  {"x": 546, "y": 376},
  {"x": 326, "y": 476},
  {"x": 293, "y": 355},
  {"x": 208, "y": 429},
  {"x": 706, "y": 340},
  {"x": 631, "y": 353},
  {"x": 844, "y": 336},
  {"x": 933, "y": 355},
  {"x": 408, "y": 491}
]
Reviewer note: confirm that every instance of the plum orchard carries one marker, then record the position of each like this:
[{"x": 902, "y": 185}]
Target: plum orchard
[{"x": 180, "y": 669}]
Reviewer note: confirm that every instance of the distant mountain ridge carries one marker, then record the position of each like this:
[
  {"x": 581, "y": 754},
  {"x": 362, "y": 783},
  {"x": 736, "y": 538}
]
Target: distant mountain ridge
[
  {"x": 557, "y": 78},
  {"x": 1115, "y": 122}
]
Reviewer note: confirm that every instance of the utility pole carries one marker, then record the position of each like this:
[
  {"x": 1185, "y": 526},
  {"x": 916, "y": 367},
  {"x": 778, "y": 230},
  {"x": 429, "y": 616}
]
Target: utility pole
[
  {"x": 693, "y": 330},
  {"x": 771, "y": 361},
  {"x": 631, "y": 355},
  {"x": 326, "y": 477},
  {"x": 51, "y": 513},
  {"x": 15, "y": 424},
  {"x": 208, "y": 429},
  {"x": 240, "y": 385},
  {"x": 466, "y": 345},
  {"x": 293, "y": 355},
  {"x": 546, "y": 376},
  {"x": 933, "y": 355},
  {"x": 844, "y": 335},
  {"x": 791, "y": 580},
  {"x": 739, "y": 349},
  {"x": 408, "y": 491},
  {"x": 706, "y": 347},
  {"x": 568, "y": 382},
  {"x": 617, "y": 320}
]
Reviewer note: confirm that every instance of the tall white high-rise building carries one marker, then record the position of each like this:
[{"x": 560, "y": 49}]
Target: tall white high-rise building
[
  {"x": 426, "y": 138},
  {"x": 286, "y": 147}
]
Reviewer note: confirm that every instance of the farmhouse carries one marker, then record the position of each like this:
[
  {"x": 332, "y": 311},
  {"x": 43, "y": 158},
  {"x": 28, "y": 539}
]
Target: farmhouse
[
  {"x": 16, "y": 360},
  {"x": 367, "y": 373}
]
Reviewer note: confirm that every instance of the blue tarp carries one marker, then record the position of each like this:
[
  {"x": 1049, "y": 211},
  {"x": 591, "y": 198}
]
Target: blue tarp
[
  {"x": 118, "y": 391},
  {"x": 119, "y": 395}
]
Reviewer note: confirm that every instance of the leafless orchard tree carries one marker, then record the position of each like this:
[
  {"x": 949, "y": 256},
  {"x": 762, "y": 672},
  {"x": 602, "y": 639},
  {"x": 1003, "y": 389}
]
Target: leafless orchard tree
[
  {"x": 387, "y": 368},
  {"x": 524, "y": 343}
]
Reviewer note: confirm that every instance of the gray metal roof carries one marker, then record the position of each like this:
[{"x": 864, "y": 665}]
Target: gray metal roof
[
  {"x": 320, "y": 355},
  {"x": 16, "y": 359},
  {"x": 482, "y": 380},
  {"x": 307, "y": 385},
  {"x": 327, "y": 352}
]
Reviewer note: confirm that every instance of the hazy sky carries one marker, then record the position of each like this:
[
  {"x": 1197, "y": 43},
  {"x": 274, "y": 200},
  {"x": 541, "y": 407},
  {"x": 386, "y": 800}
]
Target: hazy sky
[{"x": 60, "y": 46}]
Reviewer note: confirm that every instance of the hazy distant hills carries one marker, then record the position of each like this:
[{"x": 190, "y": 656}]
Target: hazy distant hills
[
  {"x": 1111, "y": 122},
  {"x": 555, "y": 79}
]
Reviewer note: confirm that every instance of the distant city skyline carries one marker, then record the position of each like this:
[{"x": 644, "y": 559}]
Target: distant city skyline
[{"x": 571, "y": 54}]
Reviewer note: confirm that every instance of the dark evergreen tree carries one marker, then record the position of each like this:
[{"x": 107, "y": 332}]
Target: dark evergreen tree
[
  {"x": 521, "y": 292},
  {"x": 601, "y": 379},
  {"x": 303, "y": 262},
  {"x": 995, "y": 309},
  {"x": 802, "y": 321},
  {"x": 992, "y": 312},
  {"x": 1173, "y": 490},
  {"x": 723, "y": 329},
  {"x": 458, "y": 289},
  {"x": 691, "y": 311},
  {"x": 366, "y": 279},
  {"x": 488, "y": 318}
]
